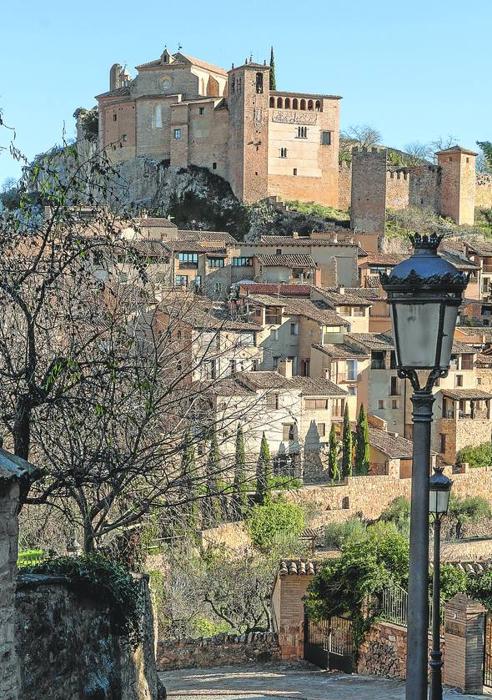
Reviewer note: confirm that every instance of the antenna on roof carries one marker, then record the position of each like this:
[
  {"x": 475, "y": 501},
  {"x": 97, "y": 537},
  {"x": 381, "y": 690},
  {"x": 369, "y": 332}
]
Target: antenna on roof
[{"x": 180, "y": 46}]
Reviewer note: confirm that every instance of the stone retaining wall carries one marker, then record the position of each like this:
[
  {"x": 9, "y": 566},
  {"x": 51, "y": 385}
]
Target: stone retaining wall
[
  {"x": 67, "y": 650},
  {"x": 222, "y": 650}
]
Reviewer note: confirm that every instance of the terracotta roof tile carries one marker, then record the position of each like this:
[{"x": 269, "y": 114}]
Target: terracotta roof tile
[
  {"x": 297, "y": 567},
  {"x": 394, "y": 446},
  {"x": 464, "y": 394},
  {"x": 293, "y": 260}
]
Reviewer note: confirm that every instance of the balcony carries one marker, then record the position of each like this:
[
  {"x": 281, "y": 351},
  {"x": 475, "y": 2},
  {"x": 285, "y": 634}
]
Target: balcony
[{"x": 184, "y": 265}]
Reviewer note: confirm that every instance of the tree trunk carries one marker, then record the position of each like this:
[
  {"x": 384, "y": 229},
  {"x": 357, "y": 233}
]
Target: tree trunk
[
  {"x": 89, "y": 541},
  {"x": 22, "y": 428}
]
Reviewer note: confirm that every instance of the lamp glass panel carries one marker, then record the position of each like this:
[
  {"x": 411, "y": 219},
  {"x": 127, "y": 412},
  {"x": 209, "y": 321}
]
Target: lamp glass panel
[
  {"x": 416, "y": 326},
  {"x": 442, "y": 501},
  {"x": 450, "y": 316},
  {"x": 432, "y": 501}
]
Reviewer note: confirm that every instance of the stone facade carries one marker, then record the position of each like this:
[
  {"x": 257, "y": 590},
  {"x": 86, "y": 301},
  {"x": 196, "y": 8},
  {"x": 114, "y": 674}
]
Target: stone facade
[
  {"x": 264, "y": 143},
  {"x": 223, "y": 650},
  {"x": 67, "y": 651},
  {"x": 9, "y": 501},
  {"x": 368, "y": 200}
]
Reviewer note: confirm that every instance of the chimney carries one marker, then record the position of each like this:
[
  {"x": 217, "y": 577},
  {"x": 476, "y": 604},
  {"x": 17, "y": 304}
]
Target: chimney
[
  {"x": 341, "y": 290},
  {"x": 285, "y": 368},
  {"x": 335, "y": 238},
  {"x": 295, "y": 234}
]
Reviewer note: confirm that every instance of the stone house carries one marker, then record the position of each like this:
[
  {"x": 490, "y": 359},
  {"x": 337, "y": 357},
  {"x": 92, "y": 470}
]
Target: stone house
[
  {"x": 295, "y": 413},
  {"x": 286, "y": 269},
  {"x": 264, "y": 143}
]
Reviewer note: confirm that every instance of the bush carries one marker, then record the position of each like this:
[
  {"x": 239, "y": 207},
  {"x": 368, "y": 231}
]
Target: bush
[
  {"x": 398, "y": 513},
  {"x": 283, "y": 483},
  {"x": 480, "y": 588},
  {"x": 469, "y": 509},
  {"x": 453, "y": 581},
  {"x": 108, "y": 583},
  {"x": 274, "y": 521},
  {"x": 336, "y": 534},
  {"x": 479, "y": 456},
  {"x": 204, "y": 627}
]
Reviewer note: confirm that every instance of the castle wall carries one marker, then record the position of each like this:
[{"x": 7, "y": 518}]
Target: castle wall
[
  {"x": 117, "y": 134},
  {"x": 153, "y": 129},
  {"x": 368, "y": 211},
  {"x": 483, "y": 192},
  {"x": 208, "y": 137},
  {"x": 397, "y": 188},
  {"x": 344, "y": 185},
  {"x": 417, "y": 186}
]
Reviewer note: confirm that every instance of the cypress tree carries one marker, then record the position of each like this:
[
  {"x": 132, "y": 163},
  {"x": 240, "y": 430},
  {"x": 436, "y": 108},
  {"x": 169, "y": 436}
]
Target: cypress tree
[
  {"x": 213, "y": 503},
  {"x": 263, "y": 471},
  {"x": 333, "y": 468},
  {"x": 362, "y": 444},
  {"x": 239, "y": 485},
  {"x": 188, "y": 472},
  {"x": 346, "y": 444},
  {"x": 273, "y": 79}
]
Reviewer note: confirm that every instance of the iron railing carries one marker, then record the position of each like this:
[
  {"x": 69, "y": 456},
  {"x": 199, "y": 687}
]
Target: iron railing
[{"x": 393, "y": 607}]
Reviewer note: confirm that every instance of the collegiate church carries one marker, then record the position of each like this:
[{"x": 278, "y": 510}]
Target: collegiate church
[{"x": 188, "y": 112}]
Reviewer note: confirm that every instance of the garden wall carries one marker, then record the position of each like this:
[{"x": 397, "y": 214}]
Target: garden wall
[
  {"x": 222, "y": 650},
  {"x": 67, "y": 651}
]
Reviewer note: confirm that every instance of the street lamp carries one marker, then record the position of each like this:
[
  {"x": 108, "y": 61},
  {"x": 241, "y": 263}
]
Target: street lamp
[
  {"x": 424, "y": 293},
  {"x": 439, "y": 492}
]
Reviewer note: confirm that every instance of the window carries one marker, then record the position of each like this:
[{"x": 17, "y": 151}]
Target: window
[
  {"x": 278, "y": 251},
  {"x": 210, "y": 369},
  {"x": 377, "y": 359},
  {"x": 275, "y": 333},
  {"x": 351, "y": 370},
  {"x": 442, "y": 447},
  {"x": 157, "y": 117},
  {"x": 316, "y": 404},
  {"x": 345, "y": 503},
  {"x": 294, "y": 172},
  {"x": 294, "y": 329},
  {"x": 359, "y": 311},
  {"x": 283, "y": 153},
  {"x": 188, "y": 259},
  {"x": 302, "y": 132},
  {"x": 380, "y": 404},
  {"x": 201, "y": 110},
  {"x": 232, "y": 366},
  {"x": 351, "y": 390},
  {"x": 467, "y": 361},
  {"x": 326, "y": 138},
  {"x": 177, "y": 134},
  {"x": 272, "y": 401},
  {"x": 394, "y": 386},
  {"x": 259, "y": 83},
  {"x": 275, "y": 361},
  {"x": 242, "y": 262},
  {"x": 393, "y": 360},
  {"x": 216, "y": 262},
  {"x": 214, "y": 166},
  {"x": 218, "y": 287},
  {"x": 321, "y": 429},
  {"x": 458, "y": 380},
  {"x": 181, "y": 280},
  {"x": 288, "y": 432},
  {"x": 394, "y": 403},
  {"x": 115, "y": 117}
]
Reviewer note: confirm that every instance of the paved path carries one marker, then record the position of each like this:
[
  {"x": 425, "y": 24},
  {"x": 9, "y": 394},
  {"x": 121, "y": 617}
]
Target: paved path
[{"x": 282, "y": 682}]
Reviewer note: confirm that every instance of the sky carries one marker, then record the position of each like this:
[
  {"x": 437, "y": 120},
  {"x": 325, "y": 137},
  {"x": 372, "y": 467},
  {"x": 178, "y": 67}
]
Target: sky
[{"x": 414, "y": 70}]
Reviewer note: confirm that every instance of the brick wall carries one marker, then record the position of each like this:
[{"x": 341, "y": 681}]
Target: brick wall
[{"x": 222, "y": 650}]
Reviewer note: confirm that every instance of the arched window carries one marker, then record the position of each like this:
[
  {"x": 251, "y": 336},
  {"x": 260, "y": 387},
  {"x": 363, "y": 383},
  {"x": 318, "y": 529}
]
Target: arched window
[
  {"x": 280, "y": 102},
  {"x": 318, "y": 106},
  {"x": 272, "y": 101},
  {"x": 345, "y": 503},
  {"x": 310, "y": 105},
  {"x": 157, "y": 117},
  {"x": 287, "y": 103},
  {"x": 303, "y": 104},
  {"x": 295, "y": 103}
]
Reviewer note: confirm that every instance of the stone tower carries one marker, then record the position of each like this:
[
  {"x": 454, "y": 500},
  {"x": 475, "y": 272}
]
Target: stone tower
[
  {"x": 368, "y": 199},
  {"x": 458, "y": 181},
  {"x": 248, "y": 131}
]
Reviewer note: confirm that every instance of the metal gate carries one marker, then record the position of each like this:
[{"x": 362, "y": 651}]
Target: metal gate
[
  {"x": 487, "y": 657},
  {"x": 329, "y": 643}
]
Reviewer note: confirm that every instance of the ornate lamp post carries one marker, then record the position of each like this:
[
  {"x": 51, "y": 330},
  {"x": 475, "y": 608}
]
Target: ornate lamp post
[
  {"x": 424, "y": 294},
  {"x": 439, "y": 492}
]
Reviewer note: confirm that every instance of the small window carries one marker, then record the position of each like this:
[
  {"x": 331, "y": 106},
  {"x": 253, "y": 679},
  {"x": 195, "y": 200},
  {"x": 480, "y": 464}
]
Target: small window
[
  {"x": 380, "y": 404},
  {"x": 394, "y": 386},
  {"x": 394, "y": 403},
  {"x": 178, "y": 335},
  {"x": 283, "y": 153},
  {"x": 345, "y": 503},
  {"x": 214, "y": 166},
  {"x": 443, "y": 443},
  {"x": 259, "y": 83},
  {"x": 326, "y": 138},
  {"x": 294, "y": 172},
  {"x": 278, "y": 251},
  {"x": 218, "y": 287},
  {"x": 115, "y": 117},
  {"x": 294, "y": 329},
  {"x": 177, "y": 134},
  {"x": 181, "y": 280},
  {"x": 201, "y": 110},
  {"x": 321, "y": 429},
  {"x": 272, "y": 401},
  {"x": 302, "y": 132},
  {"x": 275, "y": 361},
  {"x": 459, "y": 380},
  {"x": 288, "y": 432}
]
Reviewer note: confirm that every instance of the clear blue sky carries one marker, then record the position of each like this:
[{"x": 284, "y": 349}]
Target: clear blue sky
[{"x": 415, "y": 70}]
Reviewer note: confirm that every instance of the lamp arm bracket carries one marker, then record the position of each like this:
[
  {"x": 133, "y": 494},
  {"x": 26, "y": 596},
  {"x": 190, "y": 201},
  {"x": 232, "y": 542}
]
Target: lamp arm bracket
[{"x": 411, "y": 374}]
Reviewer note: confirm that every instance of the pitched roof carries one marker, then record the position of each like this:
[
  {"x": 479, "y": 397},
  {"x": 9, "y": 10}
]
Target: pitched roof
[
  {"x": 282, "y": 93},
  {"x": 482, "y": 248},
  {"x": 460, "y": 348},
  {"x": 263, "y": 379},
  {"x": 298, "y": 567},
  {"x": 341, "y": 351},
  {"x": 456, "y": 149},
  {"x": 178, "y": 59},
  {"x": 390, "y": 444},
  {"x": 336, "y": 297},
  {"x": 464, "y": 394},
  {"x": 316, "y": 386},
  {"x": 280, "y": 289},
  {"x": 308, "y": 386},
  {"x": 207, "y": 236},
  {"x": 383, "y": 259},
  {"x": 13, "y": 467},
  {"x": 117, "y": 92},
  {"x": 314, "y": 310},
  {"x": 373, "y": 341},
  {"x": 292, "y": 260},
  {"x": 302, "y": 241}
]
